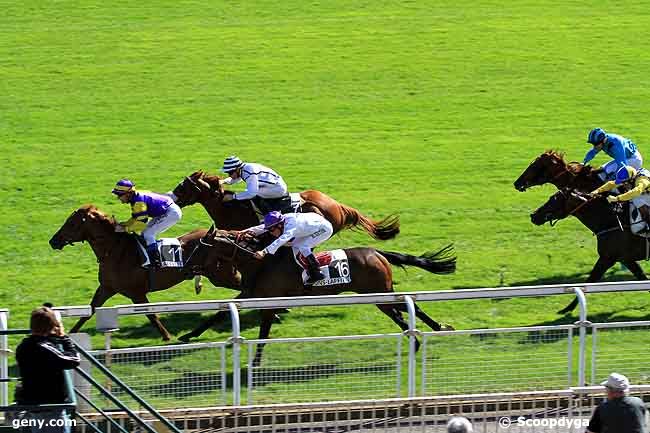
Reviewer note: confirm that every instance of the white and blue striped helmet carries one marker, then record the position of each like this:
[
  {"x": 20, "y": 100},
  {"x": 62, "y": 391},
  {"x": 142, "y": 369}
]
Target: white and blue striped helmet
[{"x": 231, "y": 164}]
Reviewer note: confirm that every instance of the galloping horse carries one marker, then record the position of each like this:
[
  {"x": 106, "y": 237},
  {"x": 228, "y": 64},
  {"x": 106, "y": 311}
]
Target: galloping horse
[
  {"x": 280, "y": 275},
  {"x": 200, "y": 187},
  {"x": 550, "y": 167},
  {"x": 615, "y": 242},
  {"x": 119, "y": 264}
]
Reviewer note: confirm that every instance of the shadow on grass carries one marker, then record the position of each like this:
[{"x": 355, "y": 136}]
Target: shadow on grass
[
  {"x": 578, "y": 278},
  {"x": 194, "y": 383}
]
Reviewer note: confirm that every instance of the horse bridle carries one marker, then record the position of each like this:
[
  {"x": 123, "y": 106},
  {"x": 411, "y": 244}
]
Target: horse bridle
[
  {"x": 235, "y": 250},
  {"x": 586, "y": 201}
]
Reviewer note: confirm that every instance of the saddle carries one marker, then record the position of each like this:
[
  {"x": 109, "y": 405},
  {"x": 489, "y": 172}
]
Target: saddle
[
  {"x": 169, "y": 249},
  {"x": 287, "y": 204}
]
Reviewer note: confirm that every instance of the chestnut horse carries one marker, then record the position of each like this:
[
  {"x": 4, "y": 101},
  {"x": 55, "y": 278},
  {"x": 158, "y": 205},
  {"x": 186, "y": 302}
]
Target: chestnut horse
[
  {"x": 120, "y": 269},
  {"x": 616, "y": 243},
  {"x": 550, "y": 167},
  {"x": 279, "y": 276},
  {"x": 200, "y": 187}
]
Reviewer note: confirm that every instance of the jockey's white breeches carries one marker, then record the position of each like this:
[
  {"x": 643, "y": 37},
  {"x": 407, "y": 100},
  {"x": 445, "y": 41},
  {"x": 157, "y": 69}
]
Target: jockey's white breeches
[
  {"x": 304, "y": 245},
  {"x": 161, "y": 223}
]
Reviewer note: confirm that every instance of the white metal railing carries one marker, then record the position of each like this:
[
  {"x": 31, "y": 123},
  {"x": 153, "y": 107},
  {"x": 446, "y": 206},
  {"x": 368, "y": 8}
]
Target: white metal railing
[
  {"x": 562, "y": 410},
  {"x": 108, "y": 317}
]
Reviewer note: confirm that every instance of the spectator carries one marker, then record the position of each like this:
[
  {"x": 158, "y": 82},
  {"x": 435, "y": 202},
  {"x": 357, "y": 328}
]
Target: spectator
[
  {"x": 620, "y": 413},
  {"x": 42, "y": 358},
  {"x": 459, "y": 424}
]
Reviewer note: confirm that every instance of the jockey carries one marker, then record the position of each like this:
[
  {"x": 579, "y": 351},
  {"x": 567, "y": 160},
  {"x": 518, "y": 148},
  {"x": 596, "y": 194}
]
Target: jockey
[
  {"x": 263, "y": 185},
  {"x": 151, "y": 214},
  {"x": 303, "y": 230},
  {"x": 622, "y": 149},
  {"x": 629, "y": 175}
]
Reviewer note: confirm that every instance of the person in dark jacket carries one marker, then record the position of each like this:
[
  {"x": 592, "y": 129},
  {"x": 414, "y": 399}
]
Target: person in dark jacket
[
  {"x": 42, "y": 358},
  {"x": 620, "y": 413}
]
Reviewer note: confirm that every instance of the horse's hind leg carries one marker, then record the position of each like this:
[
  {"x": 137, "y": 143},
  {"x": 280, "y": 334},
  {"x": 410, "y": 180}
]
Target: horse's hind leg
[
  {"x": 392, "y": 311},
  {"x": 599, "y": 269},
  {"x": 635, "y": 269},
  {"x": 207, "y": 324},
  {"x": 101, "y": 295},
  {"x": 422, "y": 316}
]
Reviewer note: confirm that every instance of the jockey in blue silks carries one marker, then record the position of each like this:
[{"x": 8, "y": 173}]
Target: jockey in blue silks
[{"x": 622, "y": 149}]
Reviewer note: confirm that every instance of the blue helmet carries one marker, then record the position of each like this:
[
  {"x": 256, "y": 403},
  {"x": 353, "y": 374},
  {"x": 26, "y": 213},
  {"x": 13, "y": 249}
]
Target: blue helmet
[
  {"x": 123, "y": 186},
  {"x": 624, "y": 174},
  {"x": 272, "y": 219},
  {"x": 596, "y": 136}
]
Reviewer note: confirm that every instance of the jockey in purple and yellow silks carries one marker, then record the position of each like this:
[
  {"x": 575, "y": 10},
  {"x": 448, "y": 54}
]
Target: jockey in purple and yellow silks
[
  {"x": 151, "y": 214},
  {"x": 639, "y": 183}
]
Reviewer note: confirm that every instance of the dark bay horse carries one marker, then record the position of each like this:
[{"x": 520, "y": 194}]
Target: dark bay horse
[
  {"x": 616, "y": 243},
  {"x": 550, "y": 167},
  {"x": 280, "y": 276},
  {"x": 119, "y": 262},
  {"x": 200, "y": 187}
]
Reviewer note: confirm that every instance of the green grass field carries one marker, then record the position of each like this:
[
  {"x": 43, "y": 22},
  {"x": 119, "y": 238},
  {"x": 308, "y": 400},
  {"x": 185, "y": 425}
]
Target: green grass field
[{"x": 427, "y": 109}]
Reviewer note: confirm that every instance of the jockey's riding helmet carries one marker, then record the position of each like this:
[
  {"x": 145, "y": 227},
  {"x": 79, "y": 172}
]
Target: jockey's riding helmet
[
  {"x": 123, "y": 186},
  {"x": 596, "y": 136},
  {"x": 625, "y": 173},
  {"x": 272, "y": 219},
  {"x": 231, "y": 164}
]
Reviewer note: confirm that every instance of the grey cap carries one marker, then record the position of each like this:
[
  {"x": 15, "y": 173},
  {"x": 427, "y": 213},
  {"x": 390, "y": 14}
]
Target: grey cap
[{"x": 617, "y": 382}]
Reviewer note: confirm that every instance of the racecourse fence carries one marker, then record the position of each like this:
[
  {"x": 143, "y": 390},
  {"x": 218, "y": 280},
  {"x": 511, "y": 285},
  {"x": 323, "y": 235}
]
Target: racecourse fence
[
  {"x": 563, "y": 410},
  {"x": 375, "y": 366}
]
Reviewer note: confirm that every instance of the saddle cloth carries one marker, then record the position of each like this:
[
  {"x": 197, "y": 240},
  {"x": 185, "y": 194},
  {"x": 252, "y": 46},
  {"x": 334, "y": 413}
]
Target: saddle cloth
[
  {"x": 638, "y": 225},
  {"x": 171, "y": 253},
  {"x": 333, "y": 264}
]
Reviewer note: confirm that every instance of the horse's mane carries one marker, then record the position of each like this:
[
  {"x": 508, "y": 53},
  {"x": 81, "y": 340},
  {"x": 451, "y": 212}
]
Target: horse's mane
[
  {"x": 211, "y": 179},
  {"x": 575, "y": 167},
  {"x": 92, "y": 210}
]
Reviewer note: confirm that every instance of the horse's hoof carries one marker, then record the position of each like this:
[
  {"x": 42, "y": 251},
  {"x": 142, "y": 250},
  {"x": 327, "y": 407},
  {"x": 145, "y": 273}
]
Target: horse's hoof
[
  {"x": 166, "y": 338},
  {"x": 447, "y": 327},
  {"x": 197, "y": 289}
]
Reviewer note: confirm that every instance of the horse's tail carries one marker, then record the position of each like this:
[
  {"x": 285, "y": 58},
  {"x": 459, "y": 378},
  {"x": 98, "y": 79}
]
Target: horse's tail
[
  {"x": 382, "y": 230},
  {"x": 440, "y": 262}
]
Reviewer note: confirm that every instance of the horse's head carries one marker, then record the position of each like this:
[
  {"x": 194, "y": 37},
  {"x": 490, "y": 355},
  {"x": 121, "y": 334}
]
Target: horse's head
[
  {"x": 197, "y": 188},
  {"x": 545, "y": 168},
  {"x": 79, "y": 226},
  {"x": 560, "y": 205}
]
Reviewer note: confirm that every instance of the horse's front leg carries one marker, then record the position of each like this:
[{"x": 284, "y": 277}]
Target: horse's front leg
[{"x": 265, "y": 330}]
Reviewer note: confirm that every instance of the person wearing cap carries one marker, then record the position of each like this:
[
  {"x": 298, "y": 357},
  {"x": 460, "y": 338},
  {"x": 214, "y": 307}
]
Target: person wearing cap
[
  {"x": 620, "y": 413},
  {"x": 638, "y": 180},
  {"x": 304, "y": 231},
  {"x": 151, "y": 214},
  {"x": 263, "y": 185},
  {"x": 622, "y": 149},
  {"x": 459, "y": 424}
]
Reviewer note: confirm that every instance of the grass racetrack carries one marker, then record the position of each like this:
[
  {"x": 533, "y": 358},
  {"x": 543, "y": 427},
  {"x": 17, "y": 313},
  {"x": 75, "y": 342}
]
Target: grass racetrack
[{"x": 426, "y": 109}]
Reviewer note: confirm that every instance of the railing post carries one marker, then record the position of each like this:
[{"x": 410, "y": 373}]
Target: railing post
[
  {"x": 582, "y": 302},
  {"x": 236, "y": 365},
  {"x": 412, "y": 332},
  {"x": 4, "y": 363}
]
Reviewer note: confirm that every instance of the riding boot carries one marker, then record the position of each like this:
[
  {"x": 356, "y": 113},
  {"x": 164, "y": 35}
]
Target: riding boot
[
  {"x": 154, "y": 256},
  {"x": 313, "y": 269}
]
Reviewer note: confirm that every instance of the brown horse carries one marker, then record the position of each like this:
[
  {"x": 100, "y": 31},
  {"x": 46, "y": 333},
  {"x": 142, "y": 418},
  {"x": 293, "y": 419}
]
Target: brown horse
[
  {"x": 279, "y": 275},
  {"x": 119, "y": 262},
  {"x": 616, "y": 243},
  {"x": 550, "y": 167},
  {"x": 200, "y": 187}
]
